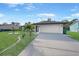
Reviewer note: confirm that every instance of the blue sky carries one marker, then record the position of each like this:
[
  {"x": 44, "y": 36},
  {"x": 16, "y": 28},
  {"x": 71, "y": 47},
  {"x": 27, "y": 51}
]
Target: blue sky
[{"x": 25, "y": 12}]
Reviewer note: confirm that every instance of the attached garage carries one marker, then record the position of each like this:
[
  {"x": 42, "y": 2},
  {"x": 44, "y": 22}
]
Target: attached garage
[{"x": 49, "y": 27}]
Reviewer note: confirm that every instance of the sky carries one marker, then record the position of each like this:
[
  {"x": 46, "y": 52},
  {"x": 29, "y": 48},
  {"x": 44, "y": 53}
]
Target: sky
[{"x": 35, "y": 12}]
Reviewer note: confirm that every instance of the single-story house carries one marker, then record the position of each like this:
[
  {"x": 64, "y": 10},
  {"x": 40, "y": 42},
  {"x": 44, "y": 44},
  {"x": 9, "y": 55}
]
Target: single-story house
[
  {"x": 74, "y": 27},
  {"x": 49, "y": 26},
  {"x": 8, "y": 27}
]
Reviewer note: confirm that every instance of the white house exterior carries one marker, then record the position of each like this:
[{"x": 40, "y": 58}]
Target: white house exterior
[
  {"x": 74, "y": 27},
  {"x": 50, "y": 27}
]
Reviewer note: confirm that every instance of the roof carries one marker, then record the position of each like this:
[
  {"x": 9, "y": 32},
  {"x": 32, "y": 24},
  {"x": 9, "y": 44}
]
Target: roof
[{"x": 49, "y": 22}]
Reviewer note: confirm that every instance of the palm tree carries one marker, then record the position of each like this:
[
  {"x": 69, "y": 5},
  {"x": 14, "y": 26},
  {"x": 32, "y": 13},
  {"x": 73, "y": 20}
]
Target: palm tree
[
  {"x": 29, "y": 28},
  {"x": 13, "y": 29},
  {"x": 23, "y": 31}
]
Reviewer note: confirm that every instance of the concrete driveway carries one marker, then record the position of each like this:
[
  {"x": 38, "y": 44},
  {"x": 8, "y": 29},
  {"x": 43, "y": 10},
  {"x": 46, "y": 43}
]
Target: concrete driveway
[{"x": 51, "y": 44}]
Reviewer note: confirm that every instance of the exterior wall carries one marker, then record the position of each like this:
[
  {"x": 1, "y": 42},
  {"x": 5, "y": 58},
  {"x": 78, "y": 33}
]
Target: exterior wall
[
  {"x": 51, "y": 28},
  {"x": 74, "y": 27}
]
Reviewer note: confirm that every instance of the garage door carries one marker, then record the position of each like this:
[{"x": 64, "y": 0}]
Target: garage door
[{"x": 54, "y": 28}]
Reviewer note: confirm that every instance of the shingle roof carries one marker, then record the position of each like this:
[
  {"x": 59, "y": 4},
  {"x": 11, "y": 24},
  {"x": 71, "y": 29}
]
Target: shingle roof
[{"x": 49, "y": 22}]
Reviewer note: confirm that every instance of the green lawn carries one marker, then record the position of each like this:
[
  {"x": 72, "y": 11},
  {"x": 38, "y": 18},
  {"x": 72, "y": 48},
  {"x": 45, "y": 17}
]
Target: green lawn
[
  {"x": 14, "y": 51},
  {"x": 74, "y": 35},
  {"x": 6, "y": 39}
]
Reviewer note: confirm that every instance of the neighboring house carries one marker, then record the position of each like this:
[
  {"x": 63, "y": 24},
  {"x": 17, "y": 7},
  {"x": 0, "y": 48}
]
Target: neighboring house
[
  {"x": 50, "y": 27},
  {"x": 74, "y": 27},
  {"x": 7, "y": 27}
]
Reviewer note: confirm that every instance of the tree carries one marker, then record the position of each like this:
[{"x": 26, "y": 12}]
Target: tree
[
  {"x": 65, "y": 26},
  {"x": 13, "y": 29},
  {"x": 49, "y": 19},
  {"x": 29, "y": 28},
  {"x": 73, "y": 21},
  {"x": 23, "y": 31}
]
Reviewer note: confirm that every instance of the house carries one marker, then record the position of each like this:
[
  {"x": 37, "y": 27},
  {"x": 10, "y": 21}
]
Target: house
[
  {"x": 8, "y": 27},
  {"x": 74, "y": 27},
  {"x": 49, "y": 26}
]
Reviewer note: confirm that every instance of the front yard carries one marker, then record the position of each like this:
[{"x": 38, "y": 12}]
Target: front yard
[
  {"x": 8, "y": 39},
  {"x": 74, "y": 35}
]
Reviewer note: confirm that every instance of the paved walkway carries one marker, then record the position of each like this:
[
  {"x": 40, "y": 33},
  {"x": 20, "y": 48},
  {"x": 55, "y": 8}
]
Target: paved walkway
[{"x": 47, "y": 44}]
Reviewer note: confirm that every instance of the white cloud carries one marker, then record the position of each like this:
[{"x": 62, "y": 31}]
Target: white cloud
[
  {"x": 14, "y": 4},
  {"x": 76, "y": 15},
  {"x": 67, "y": 17},
  {"x": 1, "y": 15},
  {"x": 17, "y": 9},
  {"x": 72, "y": 16},
  {"x": 74, "y": 9},
  {"x": 47, "y": 14},
  {"x": 30, "y": 6}
]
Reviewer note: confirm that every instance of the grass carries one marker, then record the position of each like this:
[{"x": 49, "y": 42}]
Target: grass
[
  {"x": 14, "y": 51},
  {"x": 74, "y": 35},
  {"x": 6, "y": 39}
]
